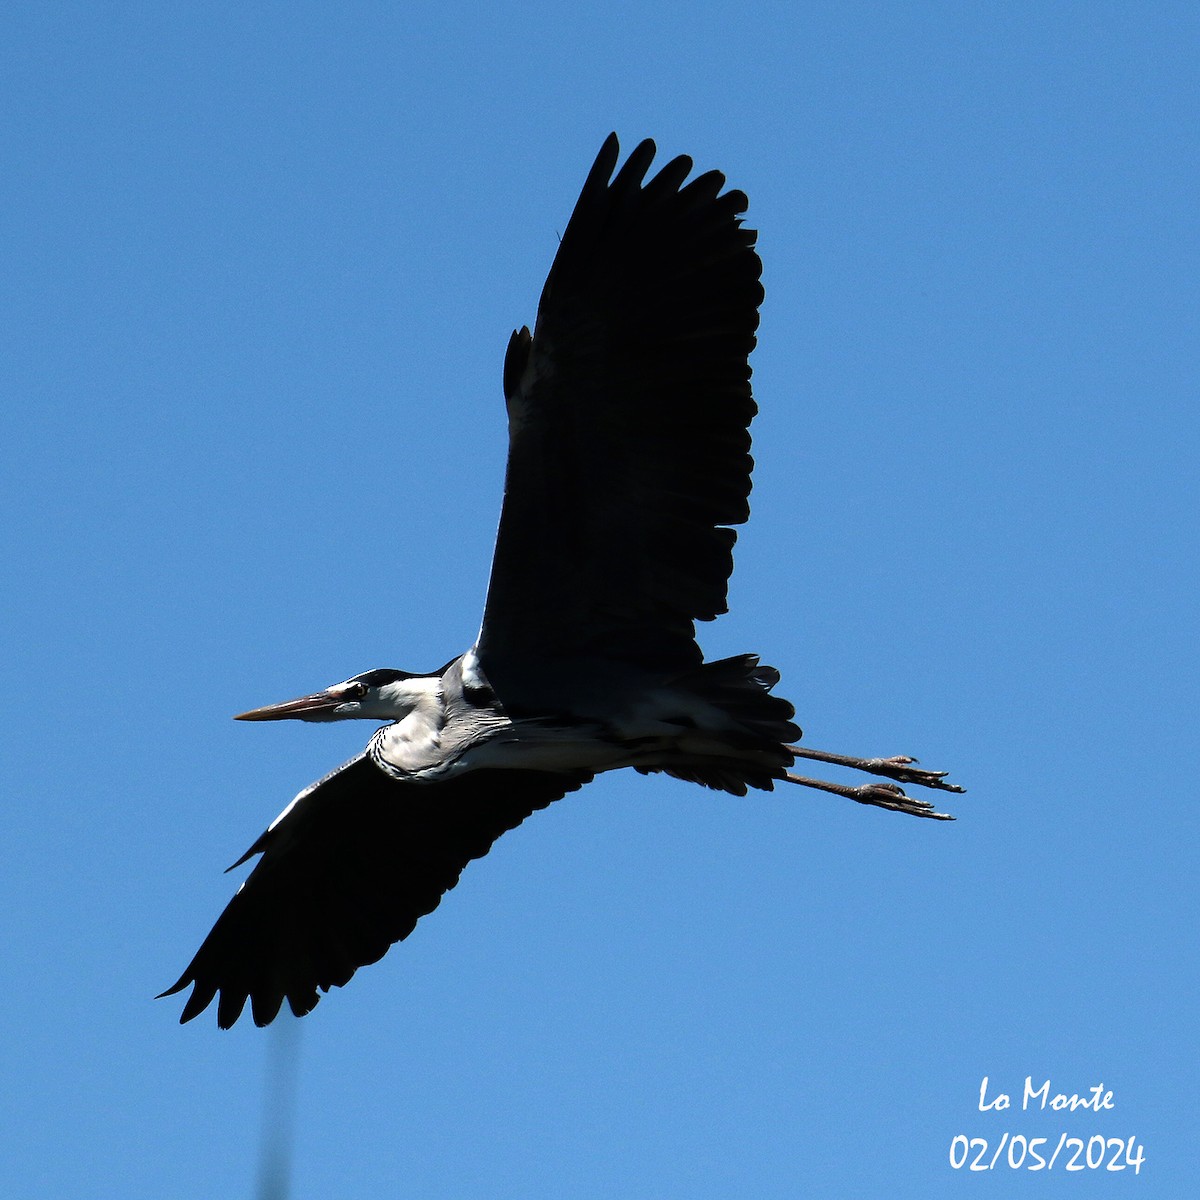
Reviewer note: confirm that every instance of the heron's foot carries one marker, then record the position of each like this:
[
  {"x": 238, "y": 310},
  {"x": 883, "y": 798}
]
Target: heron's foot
[
  {"x": 879, "y": 795},
  {"x": 900, "y": 767},
  {"x": 905, "y": 770},
  {"x": 895, "y": 799}
]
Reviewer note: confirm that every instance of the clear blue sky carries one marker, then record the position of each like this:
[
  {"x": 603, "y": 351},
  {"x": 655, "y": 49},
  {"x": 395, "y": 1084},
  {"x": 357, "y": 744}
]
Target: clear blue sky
[{"x": 260, "y": 266}]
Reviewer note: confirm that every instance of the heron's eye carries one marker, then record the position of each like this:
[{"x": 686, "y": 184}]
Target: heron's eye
[{"x": 357, "y": 690}]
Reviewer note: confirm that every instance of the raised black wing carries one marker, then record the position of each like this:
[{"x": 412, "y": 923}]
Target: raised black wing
[
  {"x": 629, "y": 412},
  {"x": 346, "y": 870}
]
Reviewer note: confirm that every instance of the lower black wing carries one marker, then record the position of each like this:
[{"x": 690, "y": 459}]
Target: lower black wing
[{"x": 348, "y": 868}]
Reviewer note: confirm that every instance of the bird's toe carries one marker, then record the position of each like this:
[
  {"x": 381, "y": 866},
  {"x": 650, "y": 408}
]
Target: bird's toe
[
  {"x": 893, "y": 797},
  {"x": 904, "y": 769}
]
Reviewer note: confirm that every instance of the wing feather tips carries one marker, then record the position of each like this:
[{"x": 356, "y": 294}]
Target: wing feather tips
[
  {"x": 605, "y": 164},
  {"x": 667, "y": 182},
  {"x": 627, "y": 207},
  {"x": 592, "y": 205},
  {"x": 630, "y": 177},
  {"x": 196, "y": 1003}
]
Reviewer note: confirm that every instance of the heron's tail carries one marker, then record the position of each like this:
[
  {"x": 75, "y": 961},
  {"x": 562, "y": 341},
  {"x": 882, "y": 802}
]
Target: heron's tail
[
  {"x": 752, "y": 748},
  {"x": 741, "y": 688}
]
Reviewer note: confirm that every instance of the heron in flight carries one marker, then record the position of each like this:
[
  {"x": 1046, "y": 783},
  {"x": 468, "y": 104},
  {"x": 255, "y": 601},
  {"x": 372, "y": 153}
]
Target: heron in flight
[{"x": 629, "y": 408}]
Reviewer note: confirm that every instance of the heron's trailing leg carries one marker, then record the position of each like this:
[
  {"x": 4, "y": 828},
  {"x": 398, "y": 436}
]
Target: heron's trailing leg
[
  {"x": 881, "y": 795},
  {"x": 900, "y": 768}
]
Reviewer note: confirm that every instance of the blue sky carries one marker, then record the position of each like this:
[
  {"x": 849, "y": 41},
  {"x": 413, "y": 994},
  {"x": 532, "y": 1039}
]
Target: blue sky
[{"x": 261, "y": 263}]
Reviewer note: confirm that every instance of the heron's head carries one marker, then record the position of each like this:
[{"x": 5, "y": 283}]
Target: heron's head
[{"x": 380, "y": 695}]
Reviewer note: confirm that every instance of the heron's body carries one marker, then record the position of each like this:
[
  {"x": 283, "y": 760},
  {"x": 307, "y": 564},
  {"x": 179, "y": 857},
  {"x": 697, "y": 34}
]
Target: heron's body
[
  {"x": 629, "y": 408},
  {"x": 458, "y": 724}
]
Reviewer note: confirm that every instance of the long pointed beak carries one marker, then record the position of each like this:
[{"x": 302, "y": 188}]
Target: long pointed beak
[{"x": 305, "y": 707}]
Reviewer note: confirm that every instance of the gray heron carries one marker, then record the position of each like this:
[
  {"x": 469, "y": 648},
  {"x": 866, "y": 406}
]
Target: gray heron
[{"x": 629, "y": 408}]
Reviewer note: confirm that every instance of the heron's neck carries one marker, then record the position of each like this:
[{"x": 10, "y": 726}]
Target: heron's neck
[
  {"x": 419, "y": 698},
  {"x": 414, "y": 741}
]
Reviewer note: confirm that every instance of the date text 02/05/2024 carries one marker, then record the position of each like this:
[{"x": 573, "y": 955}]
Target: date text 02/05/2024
[{"x": 1025, "y": 1153}]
